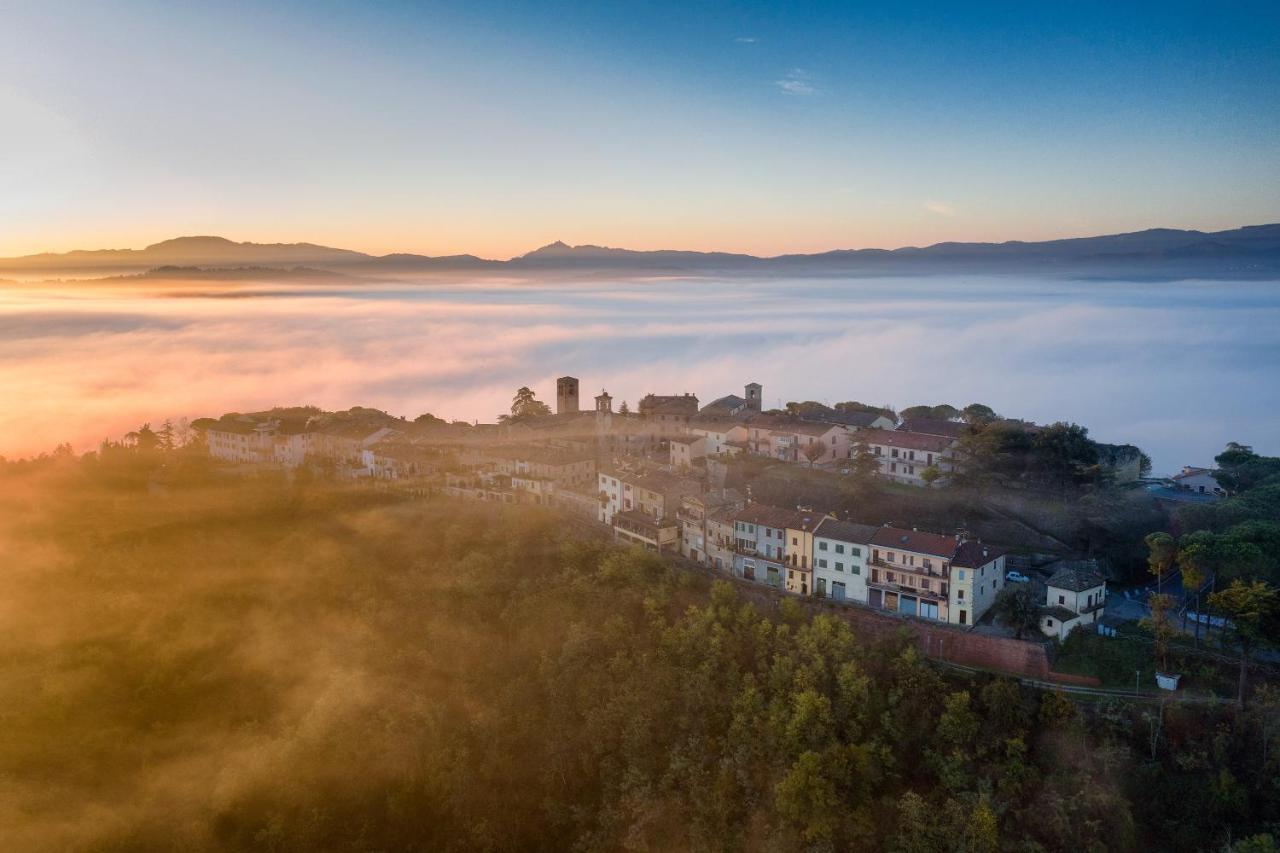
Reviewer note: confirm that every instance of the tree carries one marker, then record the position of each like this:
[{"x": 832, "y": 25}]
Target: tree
[
  {"x": 1191, "y": 564},
  {"x": 164, "y": 438},
  {"x": 916, "y": 412},
  {"x": 1163, "y": 550},
  {"x": 1161, "y": 626},
  {"x": 807, "y": 797},
  {"x": 863, "y": 462},
  {"x": 1240, "y": 469},
  {"x": 428, "y": 419},
  {"x": 977, "y": 413},
  {"x": 1016, "y": 608},
  {"x": 931, "y": 475},
  {"x": 623, "y": 410},
  {"x": 525, "y": 405},
  {"x": 1249, "y": 607},
  {"x": 813, "y": 451}
]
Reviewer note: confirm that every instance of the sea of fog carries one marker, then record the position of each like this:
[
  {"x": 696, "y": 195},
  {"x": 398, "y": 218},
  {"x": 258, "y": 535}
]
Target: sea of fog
[{"x": 1178, "y": 368}]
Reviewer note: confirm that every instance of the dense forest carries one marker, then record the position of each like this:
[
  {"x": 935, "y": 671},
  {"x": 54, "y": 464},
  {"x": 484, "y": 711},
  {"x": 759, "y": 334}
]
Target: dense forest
[{"x": 199, "y": 662}]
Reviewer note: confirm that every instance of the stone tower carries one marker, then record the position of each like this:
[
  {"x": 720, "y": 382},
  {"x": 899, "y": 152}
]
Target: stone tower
[
  {"x": 566, "y": 395},
  {"x": 604, "y": 403},
  {"x": 754, "y": 393}
]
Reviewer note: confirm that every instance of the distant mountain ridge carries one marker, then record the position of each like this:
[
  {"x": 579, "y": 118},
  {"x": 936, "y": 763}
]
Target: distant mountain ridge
[{"x": 1251, "y": 249}]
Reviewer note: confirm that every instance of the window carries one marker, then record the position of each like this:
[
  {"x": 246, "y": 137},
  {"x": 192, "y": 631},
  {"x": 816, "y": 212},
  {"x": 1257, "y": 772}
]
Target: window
[
  {"x": 944, "y": 565},
  {"x": 839, "y": 549},
  {"x": 822, "y": 546},
  {"x": 1062, "y": 599},
  {"x": 839, "y": 567},
  {"x": 822, "y": 563},
  {"x": 959, "y": 595},
  {"x": 928, "y": 564},
  {"x": 1049, "y": 622},
  {"x": 794, "y": 541},
  {"x": 889, "y": 575},
  {"x": 963, "y": 617},
  {"x": 791, "y": 575},
  {"x": 895, "y": 453},
  {"x": 855, "y": 551}
]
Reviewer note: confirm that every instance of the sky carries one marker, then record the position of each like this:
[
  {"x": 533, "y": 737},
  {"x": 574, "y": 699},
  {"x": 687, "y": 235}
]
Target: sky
[{"x": 494, "y": 128}]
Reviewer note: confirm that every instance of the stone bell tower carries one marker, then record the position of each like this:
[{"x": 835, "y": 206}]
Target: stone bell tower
[{"x": 566, "y": 395}]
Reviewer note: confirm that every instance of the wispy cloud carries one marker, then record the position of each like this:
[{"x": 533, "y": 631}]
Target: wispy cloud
[
  {"x": 797, "y": 81},
  {"x": 939, "y": 207},
  {"x": 746, "y": 40}
]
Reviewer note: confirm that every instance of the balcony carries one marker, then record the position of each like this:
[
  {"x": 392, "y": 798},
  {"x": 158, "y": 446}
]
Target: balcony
[
  {"x": 918, "y": 571},
  {"x": 894, "y": 586}
]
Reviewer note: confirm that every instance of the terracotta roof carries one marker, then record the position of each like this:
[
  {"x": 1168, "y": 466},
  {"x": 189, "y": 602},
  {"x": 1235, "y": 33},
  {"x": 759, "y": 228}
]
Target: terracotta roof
[
  {"x": 727, "y": 402},
  {"x": 686, "y": 439},
  {"x": 934, "y": 426},
  {"x": 914, "y": 540},
  {"x": 972, "y": 554},
  {"x": 701, "y": 424},
  {"x": 782, "y": 424},
  {"x": 845, "y": 531},
  {"x": 1191, "y": 471},
  {"x": 237, "y": 427},
  {"x": 772, "y": 516},
  {"x": 636, "y": 516},
  {"x": 656, "y": 404},
  {"x": 903, "y": 439},
  {"x": 1062, "y": 614},
  {"x": 1075, "y": 578}
]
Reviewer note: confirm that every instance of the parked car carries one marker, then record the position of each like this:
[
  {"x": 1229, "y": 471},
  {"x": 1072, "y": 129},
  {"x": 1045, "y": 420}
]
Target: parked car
[{"x": 1017, "y": 577}]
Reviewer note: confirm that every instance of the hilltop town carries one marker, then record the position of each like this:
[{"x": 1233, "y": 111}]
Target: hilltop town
[{"x": 684, "y": 479}]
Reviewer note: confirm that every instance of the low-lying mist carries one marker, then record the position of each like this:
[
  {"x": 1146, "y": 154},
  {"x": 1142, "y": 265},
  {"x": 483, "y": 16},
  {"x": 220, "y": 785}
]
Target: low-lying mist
[{"x": 79, "y": 362}]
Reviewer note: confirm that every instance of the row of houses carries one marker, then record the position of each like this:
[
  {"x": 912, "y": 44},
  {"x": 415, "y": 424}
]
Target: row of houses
[
  {"x": 951, "y": 579},
  {"x": 354, "y": 448}
]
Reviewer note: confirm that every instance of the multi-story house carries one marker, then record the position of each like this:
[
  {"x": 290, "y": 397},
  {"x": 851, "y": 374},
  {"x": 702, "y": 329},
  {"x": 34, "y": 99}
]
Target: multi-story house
[
  {"x": 694, "y": 512},
  {"x": 718, "y": 540},
  {"x": 636, "y": 527},
  {"x": 1198, "y": 480},
  {"x": 1075, "y": 595},
  {"x": 786, "y": 439},
  {"x": 667, "y": 415},
  {"x": 720, "y": 437},
  {"x": 259, "y": 440},
  {"x": 685, "y": 449},
  {"x": 853, "y": 421},
  {"x": 933, "y": 576},
  {"x": 241, "y": 440},
  {"x": 840, "y": 553},
  {"x": 775, "y": 546},
  {"x": 799, "y": 550},
  {"x": 760, "y": 543},
  {"x": 904, "y": 456},
  {"x": 656, "y": 493}
]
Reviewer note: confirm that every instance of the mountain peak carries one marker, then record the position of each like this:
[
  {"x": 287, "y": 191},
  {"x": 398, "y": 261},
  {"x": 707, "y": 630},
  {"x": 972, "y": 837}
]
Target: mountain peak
[
  {"x": 196, "y": 242},
  {"x": 559, "y": 247}
]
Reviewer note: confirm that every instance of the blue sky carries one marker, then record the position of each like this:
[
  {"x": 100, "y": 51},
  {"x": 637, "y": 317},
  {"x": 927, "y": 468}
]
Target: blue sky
[{"x": 497, "y": 127}]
